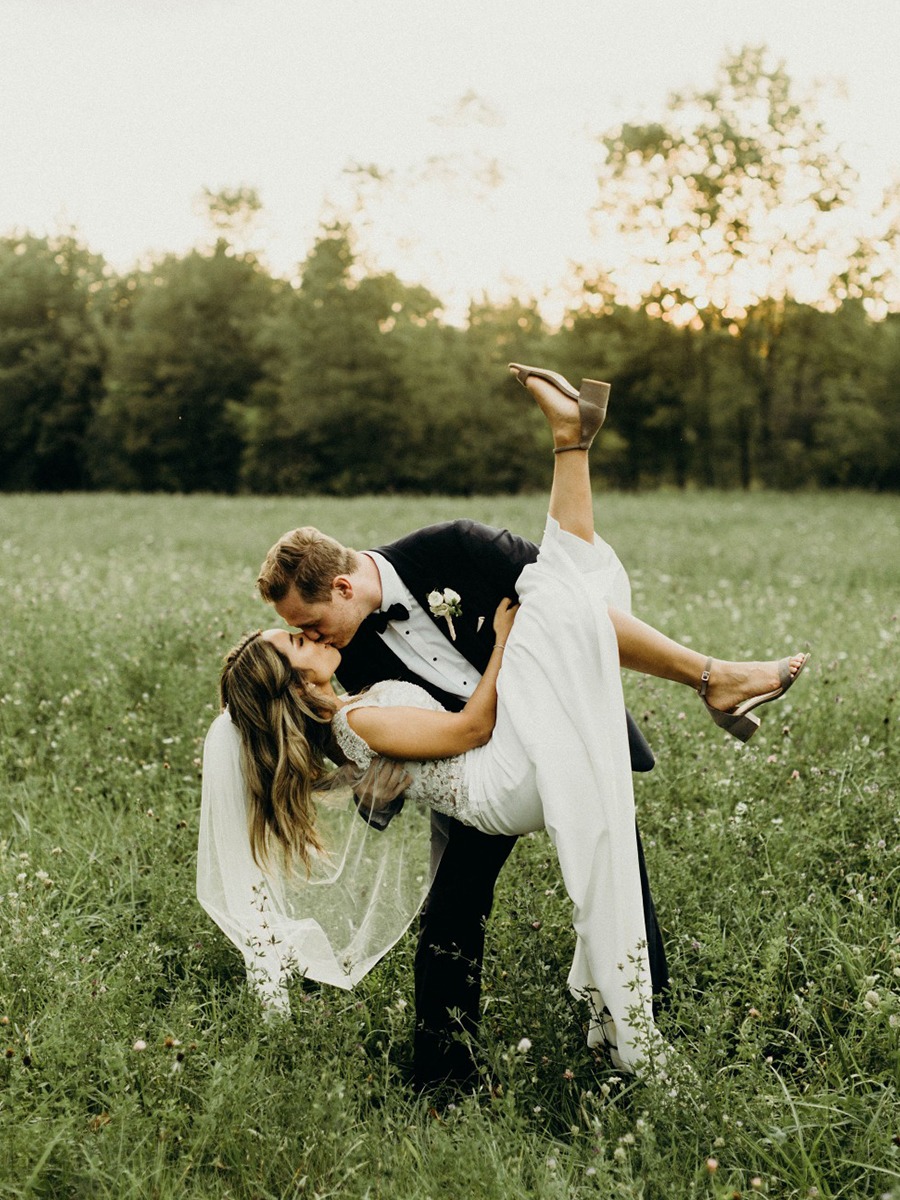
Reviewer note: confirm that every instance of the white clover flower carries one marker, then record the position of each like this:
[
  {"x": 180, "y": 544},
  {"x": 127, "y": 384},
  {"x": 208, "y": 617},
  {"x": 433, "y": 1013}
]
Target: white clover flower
[
  {"x": 139, "y": 1045},
  {"x": 524, "y": 1045},
  {"x": 873, "y": 1000}
]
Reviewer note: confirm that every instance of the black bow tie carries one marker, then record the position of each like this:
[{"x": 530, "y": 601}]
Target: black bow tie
[{"x": 379, "y": 620}]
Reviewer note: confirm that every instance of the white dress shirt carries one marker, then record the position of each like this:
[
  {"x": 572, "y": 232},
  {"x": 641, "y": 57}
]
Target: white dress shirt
[{"x": 418, "y": 642}]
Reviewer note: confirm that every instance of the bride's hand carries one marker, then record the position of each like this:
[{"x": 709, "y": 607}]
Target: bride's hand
[{"x": 503, "y": 620}]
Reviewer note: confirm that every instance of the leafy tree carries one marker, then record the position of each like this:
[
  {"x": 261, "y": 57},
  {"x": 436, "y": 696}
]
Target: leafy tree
[
  {"x": 736, "y": 202},
  {"x": 183, "y": 362},
  {"x": 53, "y": 293}
]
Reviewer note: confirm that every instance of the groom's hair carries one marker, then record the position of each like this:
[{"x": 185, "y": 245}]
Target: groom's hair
[{"x": 307, "y": 560}]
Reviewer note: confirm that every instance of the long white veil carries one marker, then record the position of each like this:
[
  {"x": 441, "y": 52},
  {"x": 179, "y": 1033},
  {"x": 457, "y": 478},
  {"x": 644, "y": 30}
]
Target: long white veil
[{"x": 363, "y": 891}]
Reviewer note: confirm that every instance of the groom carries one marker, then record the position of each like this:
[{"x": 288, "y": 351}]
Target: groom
[{"x": 379, "y": 609}]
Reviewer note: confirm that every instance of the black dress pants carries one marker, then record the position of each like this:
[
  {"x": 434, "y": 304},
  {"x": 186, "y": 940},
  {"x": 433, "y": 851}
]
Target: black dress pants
[{"x": 450, "y": 951}]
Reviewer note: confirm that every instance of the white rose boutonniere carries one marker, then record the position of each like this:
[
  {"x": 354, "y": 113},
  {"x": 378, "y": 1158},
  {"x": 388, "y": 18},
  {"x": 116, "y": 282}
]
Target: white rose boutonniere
[{"x": 446, "y": 604}]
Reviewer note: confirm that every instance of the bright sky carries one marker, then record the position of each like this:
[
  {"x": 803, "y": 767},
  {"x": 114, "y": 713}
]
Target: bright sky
[{"x": 115, "y": 113}]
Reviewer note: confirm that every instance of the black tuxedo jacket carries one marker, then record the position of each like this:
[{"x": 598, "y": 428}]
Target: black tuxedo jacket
[{"x": 482, "y": 564}]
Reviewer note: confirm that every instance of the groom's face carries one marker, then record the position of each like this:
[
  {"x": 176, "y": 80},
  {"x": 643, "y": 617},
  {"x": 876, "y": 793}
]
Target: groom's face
[{"x": 333, "y": 621}]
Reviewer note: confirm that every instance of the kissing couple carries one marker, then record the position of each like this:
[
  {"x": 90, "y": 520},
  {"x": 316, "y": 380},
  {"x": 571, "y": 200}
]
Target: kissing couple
[{"x": 480, "y": 693}]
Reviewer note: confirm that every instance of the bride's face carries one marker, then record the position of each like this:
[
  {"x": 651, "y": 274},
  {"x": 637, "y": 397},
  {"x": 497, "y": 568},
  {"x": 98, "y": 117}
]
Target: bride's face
[{"x": 316, "y": 661}]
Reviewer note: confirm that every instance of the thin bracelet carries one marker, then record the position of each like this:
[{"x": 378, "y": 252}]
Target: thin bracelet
[{"x": 499, "y": 645}]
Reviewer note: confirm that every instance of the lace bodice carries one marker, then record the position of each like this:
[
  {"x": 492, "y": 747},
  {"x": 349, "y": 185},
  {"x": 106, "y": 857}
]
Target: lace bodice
[{"x": 439, "y": 783}]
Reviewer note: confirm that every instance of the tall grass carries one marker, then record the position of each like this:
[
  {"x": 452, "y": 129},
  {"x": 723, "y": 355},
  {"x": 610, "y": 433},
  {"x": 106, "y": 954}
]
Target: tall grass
[{"x": 134, "y": 1063}]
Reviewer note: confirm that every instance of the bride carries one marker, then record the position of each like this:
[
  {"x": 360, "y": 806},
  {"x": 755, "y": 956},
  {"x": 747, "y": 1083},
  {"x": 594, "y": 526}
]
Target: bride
[{"x": 541, "y": 744}]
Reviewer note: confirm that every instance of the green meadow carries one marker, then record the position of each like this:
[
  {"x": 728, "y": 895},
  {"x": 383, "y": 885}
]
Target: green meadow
[{"x": 133, "y": 1060}]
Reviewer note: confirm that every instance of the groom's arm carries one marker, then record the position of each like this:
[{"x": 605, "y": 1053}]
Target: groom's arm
[{"x": 495, "y": 554}]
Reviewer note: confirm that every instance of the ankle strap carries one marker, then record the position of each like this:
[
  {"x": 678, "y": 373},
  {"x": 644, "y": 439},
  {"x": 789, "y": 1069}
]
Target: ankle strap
[{"x": 704, "y": 678}]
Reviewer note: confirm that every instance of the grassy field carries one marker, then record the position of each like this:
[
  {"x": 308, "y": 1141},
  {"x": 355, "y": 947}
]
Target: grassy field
[{"x": 135, "y": 1064}]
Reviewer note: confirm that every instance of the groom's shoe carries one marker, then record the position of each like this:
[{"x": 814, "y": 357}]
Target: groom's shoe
[{"x": 592, "y": 399}]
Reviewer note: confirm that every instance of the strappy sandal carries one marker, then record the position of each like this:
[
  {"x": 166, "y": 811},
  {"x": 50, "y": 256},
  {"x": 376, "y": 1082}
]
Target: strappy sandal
[
  {"x": 592, "y": 399},
  {"x": 740, "y": 722}
]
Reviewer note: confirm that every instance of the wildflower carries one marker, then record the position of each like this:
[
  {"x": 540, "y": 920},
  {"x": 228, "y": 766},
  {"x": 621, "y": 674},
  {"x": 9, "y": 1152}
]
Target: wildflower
[
  {"x": 139, "y": 1045},
  {"x": 872, "y": 1000},
  {"x": 619, "y": 1154},
  {"x": 712, "y": 1165},
  {"x": 568, "y": 1074},
  {"x": 773, "y": 758},
  {"x": 551, "y": 1163},
  {"x": 795, "y": 774},
  {"x": 524, "y": 1045},
  {"x": 756, "y": 1183}
]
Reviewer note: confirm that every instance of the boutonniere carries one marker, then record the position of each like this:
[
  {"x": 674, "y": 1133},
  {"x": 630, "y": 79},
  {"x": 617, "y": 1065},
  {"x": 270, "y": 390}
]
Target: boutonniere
[{"x": 446, "y": 604}]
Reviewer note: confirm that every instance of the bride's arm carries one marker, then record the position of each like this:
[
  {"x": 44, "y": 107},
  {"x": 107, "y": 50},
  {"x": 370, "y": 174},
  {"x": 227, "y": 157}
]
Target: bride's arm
[{"x": 417, "y": 733}]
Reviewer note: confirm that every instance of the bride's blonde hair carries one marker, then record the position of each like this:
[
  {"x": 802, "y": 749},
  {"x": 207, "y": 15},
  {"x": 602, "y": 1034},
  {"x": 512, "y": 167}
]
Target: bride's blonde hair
[{"x": 283, "y": 728}]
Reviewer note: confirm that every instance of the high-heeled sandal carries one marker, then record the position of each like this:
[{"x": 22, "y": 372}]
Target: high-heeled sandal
[
  {"x": 740, "y": 722},
  {"x": 592, "y": 399}
]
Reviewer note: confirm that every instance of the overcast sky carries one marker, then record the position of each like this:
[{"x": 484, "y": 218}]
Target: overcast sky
[{"x": 115, "y": 113}]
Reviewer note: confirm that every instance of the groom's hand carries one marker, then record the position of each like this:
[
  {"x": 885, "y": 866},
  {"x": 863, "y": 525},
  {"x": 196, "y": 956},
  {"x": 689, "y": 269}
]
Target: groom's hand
[{"x": 382, "y": 782}]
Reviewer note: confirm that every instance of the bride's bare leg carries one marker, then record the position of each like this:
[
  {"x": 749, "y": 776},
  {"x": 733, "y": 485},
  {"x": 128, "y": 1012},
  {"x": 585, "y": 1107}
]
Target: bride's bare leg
[
  {"x": 571, "y": 500},
  {"x": 641, "y": 647}
]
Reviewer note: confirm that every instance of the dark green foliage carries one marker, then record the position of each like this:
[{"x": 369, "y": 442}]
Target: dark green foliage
[
  {"x": 184, "y": 359},
  {"x": 52, "y": 291},
  {"x": 205, "y": 374}
]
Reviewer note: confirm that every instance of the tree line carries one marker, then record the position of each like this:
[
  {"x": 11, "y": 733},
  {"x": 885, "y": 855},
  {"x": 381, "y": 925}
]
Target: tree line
[{"x": 204, "y": 372}]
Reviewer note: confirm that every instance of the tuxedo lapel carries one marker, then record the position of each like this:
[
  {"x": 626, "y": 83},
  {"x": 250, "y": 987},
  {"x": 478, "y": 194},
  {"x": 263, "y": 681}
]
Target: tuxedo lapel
[
  {"x": 367, "y": 660},
  {"x": 428, "y": 568}
]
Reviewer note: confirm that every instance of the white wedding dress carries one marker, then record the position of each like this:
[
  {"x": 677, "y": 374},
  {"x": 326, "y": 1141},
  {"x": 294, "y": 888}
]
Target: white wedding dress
[{"x": 558, "y": 759}]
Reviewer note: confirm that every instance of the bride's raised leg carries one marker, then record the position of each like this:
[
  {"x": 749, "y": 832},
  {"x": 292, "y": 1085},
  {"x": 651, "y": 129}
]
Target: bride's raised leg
[
  {"x": 641, "y": 647},
  {"x": 571, "y": 499}
]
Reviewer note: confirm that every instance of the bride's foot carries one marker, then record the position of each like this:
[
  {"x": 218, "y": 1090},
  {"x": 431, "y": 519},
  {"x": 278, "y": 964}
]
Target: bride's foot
[
  {"x": 731, "y": 684},
  {"x": 573, "y": 426},
  {"x": 561, "y": 413}
]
